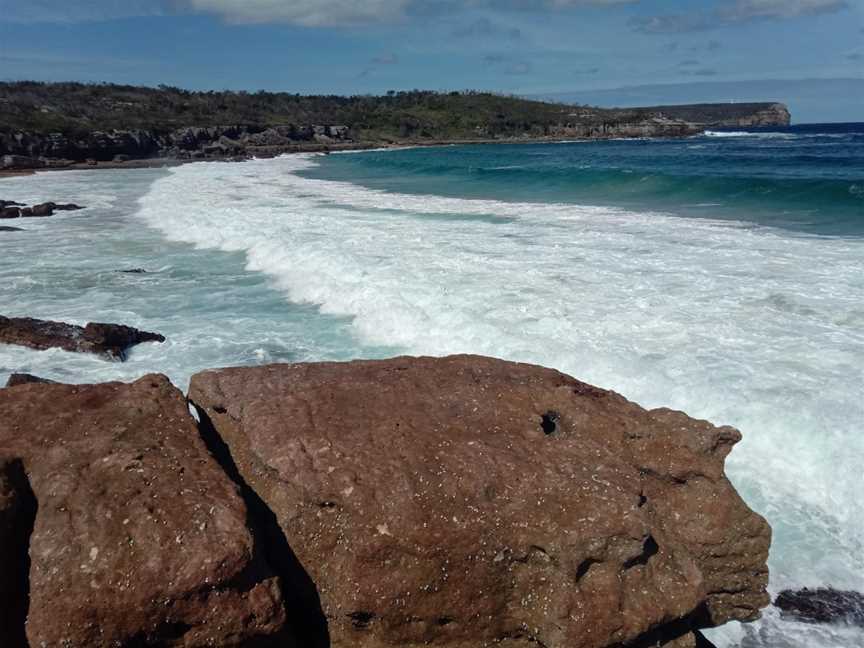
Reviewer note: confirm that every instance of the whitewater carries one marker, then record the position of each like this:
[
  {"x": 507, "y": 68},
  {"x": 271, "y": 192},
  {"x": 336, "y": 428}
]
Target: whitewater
[{"x": 741, "y": 323}]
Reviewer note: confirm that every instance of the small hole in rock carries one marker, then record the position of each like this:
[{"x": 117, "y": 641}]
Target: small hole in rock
[
  {"x": 443, "y": 621},
  {"x": 642, "y": 500},
  {"x": 649, "y": 548},
  {"x": 219, "y": 409},
  {"x": 361, "y": 619},
  {"x": 584, "y": 567},
  {"x": 549, "y": 422}
]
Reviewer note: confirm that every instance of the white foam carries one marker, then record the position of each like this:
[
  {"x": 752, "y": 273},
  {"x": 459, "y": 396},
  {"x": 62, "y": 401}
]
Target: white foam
[
  {"x": 749, "y": 326},
  {"x": 757, "y": 135}
]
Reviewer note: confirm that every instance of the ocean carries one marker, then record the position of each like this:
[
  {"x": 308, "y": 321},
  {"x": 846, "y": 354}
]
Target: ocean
[{"x": 722, "y": 275}]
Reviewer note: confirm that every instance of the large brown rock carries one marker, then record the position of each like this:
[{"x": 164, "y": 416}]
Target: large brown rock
[
  {"x": 140, "y": 538},
  {"x": 470, "y": 502},
  {"x": 108, "y": 340}
]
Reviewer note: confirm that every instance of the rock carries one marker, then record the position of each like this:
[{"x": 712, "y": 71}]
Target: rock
[
  {"x": 9, "y": 203},
  {"x": 133, "y": 271},
  {"x": 66, "y": 206},
  {"x": 3, "y": 228},
  {"x": 48, "y": 209},
  {"x": 43, "y": 209},
  {"x": 467, "y": 501},
  {"x": 823, "y": 605},
  {"x": 40, "y": 210},
  {"x": 17, "y": 512},
  {"x": 20, "y": 162},
  {"x": 25, "y": 379},
  {"x": 140, "y": 538},
  {"x": 109, "y": 340}
]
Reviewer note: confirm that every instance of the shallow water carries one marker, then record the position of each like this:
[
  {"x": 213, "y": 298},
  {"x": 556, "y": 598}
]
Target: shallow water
[{"x": 756, "y": 323}]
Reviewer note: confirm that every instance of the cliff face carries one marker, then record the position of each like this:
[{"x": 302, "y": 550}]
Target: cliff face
[
  {"x": 58, "y": 124},
  {"x": 729, "y": 115},
  {"x": 37, "y": 149}
]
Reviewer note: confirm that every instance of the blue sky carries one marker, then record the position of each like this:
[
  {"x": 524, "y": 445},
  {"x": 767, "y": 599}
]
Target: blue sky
[{"x": 597, "y": 50}]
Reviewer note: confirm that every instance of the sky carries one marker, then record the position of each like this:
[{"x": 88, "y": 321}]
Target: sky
[{"x": 808, "y": 53}]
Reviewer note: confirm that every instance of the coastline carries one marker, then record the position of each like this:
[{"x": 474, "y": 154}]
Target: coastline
[{"x": 272, "y": 152}]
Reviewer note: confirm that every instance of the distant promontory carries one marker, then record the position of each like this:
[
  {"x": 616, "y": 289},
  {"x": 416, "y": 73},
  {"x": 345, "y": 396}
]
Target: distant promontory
[{"x": 66, "y": 124}]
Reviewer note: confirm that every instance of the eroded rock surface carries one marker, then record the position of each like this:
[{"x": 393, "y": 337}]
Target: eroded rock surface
[
  {"x": 109, "y": 340},
  {"x": 140, "y": 538},
  {"x": 470, "y": 502}
]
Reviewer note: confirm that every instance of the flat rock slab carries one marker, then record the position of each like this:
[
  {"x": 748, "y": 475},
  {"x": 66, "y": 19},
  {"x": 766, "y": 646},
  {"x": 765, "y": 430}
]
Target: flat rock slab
[
  {"x": 469, "y": 502},
  {"x": 108, "y": 340},
  {"x": 140, "y": 538}
]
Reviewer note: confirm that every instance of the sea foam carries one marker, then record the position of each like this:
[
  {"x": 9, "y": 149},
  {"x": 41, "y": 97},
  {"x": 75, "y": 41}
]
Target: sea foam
[{"x": 745, "y": 325}]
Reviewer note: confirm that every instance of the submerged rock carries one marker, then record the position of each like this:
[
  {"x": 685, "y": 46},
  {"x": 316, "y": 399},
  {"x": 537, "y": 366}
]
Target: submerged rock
[
  {"x": 109, "y": 340},
  {"x": 467, "y": 501},
  {"x": 4, "y": 228},
  {"x": 140, "y": 538},
  {"x": 26, "y": 379},
  {"x": 823, "y": 605}
]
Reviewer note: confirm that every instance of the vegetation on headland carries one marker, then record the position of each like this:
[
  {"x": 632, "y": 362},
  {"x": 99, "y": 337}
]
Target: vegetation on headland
[{"x": 76, "y": 108}]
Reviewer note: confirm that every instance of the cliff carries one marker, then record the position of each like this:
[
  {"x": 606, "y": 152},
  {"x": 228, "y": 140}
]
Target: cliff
[
  {"x": 58, "y": 124},
  {"x": 729, "y": 114},
  {"x": 455, "y": 502}
]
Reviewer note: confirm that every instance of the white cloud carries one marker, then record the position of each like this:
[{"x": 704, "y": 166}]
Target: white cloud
[
  {"x": 735, "y": 12},
  {"x": 64, "y": 11},
  {"x": 743, "y": 10},
  {"x": 320, "y": 13},
  {"x": 310, "y": 13}
]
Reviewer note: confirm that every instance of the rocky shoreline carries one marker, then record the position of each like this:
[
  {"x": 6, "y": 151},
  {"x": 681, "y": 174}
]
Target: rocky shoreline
[
  {"x": 28, "y": 150},
  {"x": 460, "y": 502}
]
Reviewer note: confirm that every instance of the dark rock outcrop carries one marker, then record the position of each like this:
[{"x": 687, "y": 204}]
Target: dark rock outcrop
[
  {"x": 139, "y": 538},
  {"x": 4, "y": 228},
  {"x": 26, "y": 379},
  {"x": 35, "y": 150},
  {"x": 15, "y": 210},
  {"x": 822, "y": 605},
  {"x": 467, "y": 501},
  {"x": 108, "y": 340}
]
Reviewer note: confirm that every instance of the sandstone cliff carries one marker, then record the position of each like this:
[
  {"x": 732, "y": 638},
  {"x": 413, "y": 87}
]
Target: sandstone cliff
[{"x": 62, "y": 123}]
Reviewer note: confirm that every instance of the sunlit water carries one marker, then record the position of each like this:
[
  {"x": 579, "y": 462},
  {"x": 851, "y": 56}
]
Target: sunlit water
[{"x": 673, "y": 297}]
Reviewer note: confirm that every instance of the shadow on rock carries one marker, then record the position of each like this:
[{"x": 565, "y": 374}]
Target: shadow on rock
[{"x": 300, "y": 595}]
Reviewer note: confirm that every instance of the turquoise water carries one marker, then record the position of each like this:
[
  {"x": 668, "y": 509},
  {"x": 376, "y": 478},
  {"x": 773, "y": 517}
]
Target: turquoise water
[
  {"x": 720, "y": 275},
  {"x": 804, "y": 178}
]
